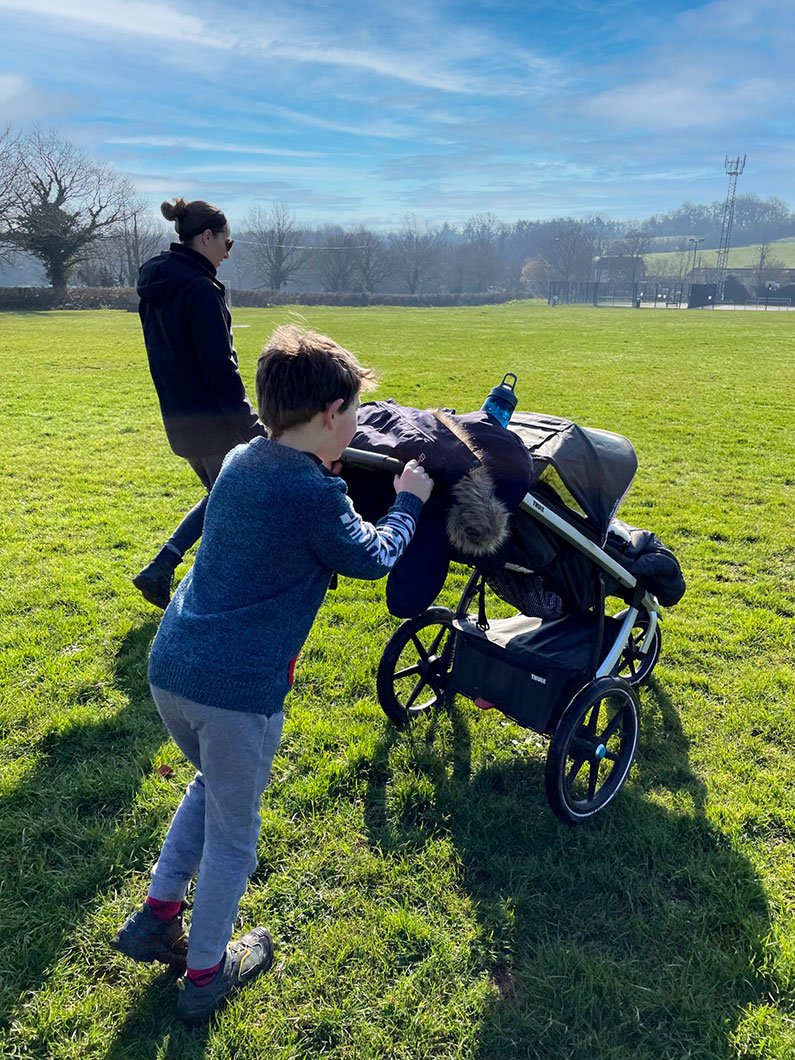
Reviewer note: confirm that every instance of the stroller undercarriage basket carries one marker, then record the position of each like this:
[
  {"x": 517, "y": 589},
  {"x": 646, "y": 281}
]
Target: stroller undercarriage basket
[{"x": 527, "y": 668}]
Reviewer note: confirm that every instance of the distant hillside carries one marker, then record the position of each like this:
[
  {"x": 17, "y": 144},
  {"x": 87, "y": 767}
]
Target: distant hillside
[{"x": 782, "y": 251}]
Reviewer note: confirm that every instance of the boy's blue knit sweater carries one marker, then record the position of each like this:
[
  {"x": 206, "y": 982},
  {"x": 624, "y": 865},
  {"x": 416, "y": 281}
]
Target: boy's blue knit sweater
[{"x": 277, "y": 527}]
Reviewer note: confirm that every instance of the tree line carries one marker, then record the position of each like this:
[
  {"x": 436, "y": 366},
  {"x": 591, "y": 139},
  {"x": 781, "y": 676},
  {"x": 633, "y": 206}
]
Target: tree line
[{"x": 84, "y": 224}]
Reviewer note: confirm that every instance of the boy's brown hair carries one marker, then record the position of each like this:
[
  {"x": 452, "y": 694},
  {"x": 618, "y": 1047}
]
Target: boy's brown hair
[{"x": 300, "y": 373}]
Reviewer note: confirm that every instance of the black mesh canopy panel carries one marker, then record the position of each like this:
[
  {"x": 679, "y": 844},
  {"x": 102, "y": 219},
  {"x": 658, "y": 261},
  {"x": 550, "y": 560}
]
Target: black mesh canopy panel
[{"x": 588, "y": 470}]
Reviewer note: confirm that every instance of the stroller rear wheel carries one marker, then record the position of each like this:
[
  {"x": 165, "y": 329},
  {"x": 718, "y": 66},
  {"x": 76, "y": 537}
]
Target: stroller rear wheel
[
  {"x": 633, "y": 665},
  {"x": 414, "y": 670},
  {"x": 592, "y": 748}
]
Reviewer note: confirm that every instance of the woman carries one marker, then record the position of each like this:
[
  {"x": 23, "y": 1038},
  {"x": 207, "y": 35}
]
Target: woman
[{"x": 188, "y": 334}]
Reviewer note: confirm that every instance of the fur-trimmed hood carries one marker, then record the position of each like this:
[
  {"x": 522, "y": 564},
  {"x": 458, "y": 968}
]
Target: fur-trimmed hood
[
  {"x": 480, "y": 470},
  {"x": 477, "y": 522}
]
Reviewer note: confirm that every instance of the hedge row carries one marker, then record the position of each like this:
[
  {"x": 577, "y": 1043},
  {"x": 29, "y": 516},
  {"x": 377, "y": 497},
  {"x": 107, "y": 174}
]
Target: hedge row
[
  {"x": 126, "y": 298},
  {"x": 257, "y": 299},
  {"x": 71, "y": 298}
]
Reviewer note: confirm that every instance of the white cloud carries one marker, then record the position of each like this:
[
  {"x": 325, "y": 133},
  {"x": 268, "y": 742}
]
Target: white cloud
[
  {"x": 11, "y": 87},
  {"x": 716, "y": 67},
  {"x": 136, "y": 17},
  {"x": 443, "y": 58},
  {"x": 403, "y": 67},
  {"x": 668, "y": 103},
  {"x": 22, "y": 101},
  {"x": 328, "y": 173},
  {"x": 186, "y": 144},
  {"x": 385, "y": 130}
]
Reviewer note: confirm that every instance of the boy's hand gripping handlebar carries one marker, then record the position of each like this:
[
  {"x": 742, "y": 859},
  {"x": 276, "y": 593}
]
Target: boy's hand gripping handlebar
[
  {"x": 374, "y": 461},
  {"x": 410, "y": 477}
]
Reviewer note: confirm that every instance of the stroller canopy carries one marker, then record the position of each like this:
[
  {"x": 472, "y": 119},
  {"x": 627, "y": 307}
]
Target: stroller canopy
[{"x": 589, "y": 470}]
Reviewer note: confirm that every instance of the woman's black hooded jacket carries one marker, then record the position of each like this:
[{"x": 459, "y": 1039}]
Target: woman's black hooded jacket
[{"x": 188, "y": 335}]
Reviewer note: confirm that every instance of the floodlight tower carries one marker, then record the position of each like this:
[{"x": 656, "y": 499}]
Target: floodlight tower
[{"x": 733, "y": 167}]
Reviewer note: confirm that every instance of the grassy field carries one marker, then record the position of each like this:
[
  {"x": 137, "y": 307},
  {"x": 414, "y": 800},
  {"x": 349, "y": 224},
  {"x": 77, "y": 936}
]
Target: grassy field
[
  {"x": 782, "y": 251},
  {"x": 424, "y": 901}
]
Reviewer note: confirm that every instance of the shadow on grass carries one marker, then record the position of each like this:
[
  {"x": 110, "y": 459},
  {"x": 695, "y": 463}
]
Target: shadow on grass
[
  {"x": 638, "y": 934},
  {"x": 151, "y": 1030},
  {"x": 67, "y": 832}
]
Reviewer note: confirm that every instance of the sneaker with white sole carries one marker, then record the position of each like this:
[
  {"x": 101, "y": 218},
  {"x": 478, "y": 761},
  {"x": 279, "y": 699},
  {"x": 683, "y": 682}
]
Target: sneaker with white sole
[
  {"x": 145, "y": 938},
  {"x": 243, "y": 961}
]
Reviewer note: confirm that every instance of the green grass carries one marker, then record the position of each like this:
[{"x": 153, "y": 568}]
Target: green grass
[
  {"x": 782, "y": 251},
  {"x": 423, "y": 899}
]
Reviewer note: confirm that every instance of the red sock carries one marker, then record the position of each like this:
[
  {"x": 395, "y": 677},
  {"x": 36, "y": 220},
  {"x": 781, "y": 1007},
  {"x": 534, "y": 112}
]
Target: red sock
[
  {"x": 163, "y": 910},
  {"x": 203, "y": 976}
]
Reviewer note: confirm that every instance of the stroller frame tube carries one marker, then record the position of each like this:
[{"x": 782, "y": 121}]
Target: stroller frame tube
[
  {"x": 549, "y": 518},
  {"x": 544, "y": 515}
]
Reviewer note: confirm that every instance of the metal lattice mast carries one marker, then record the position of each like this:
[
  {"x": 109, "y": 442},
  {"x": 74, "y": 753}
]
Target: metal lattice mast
[{"x": 733, "y": 167}]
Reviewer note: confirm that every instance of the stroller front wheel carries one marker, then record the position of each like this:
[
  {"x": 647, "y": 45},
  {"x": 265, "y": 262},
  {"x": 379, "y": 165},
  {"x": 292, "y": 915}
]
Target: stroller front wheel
[
  {"x": 413, "y": 674},
  {"x": 592, "y": 749},
  {"x": 633, "y": 665}
]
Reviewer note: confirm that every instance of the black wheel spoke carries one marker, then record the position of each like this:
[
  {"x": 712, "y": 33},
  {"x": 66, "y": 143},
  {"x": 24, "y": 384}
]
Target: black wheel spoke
[
  {"x": 406, "y": 672},
  {"x": 437, "y": 640},
  {"x": 594, "y": 776},
  {"x": 413, "y": 671},
  {"x": 420, "y": 647},
  {"x": 423, "y": 683},
  {"x": 635, "y": 664},
  {"x": 594, "y": 718},
  {"x": 577, "y": 765},
  {"x": 612, "y": 726},
  {"x": 582, "y": 777}
]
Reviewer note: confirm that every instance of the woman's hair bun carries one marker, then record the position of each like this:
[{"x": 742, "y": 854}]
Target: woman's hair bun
[
  {"x": 174, "y": 211},
  {"x": 191, "y": 218}
]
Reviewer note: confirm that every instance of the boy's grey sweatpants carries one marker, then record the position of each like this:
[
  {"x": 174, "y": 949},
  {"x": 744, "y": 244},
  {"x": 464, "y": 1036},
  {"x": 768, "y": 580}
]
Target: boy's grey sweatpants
[{"x": 214, "y": 833}]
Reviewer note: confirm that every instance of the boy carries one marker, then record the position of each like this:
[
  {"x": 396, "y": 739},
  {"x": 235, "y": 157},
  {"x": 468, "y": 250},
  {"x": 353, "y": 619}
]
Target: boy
[{"x": 278, "y": 525}]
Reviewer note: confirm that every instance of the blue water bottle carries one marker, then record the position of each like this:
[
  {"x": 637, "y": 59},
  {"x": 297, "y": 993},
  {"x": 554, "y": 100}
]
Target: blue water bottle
[{"x": 502, "y": 400}]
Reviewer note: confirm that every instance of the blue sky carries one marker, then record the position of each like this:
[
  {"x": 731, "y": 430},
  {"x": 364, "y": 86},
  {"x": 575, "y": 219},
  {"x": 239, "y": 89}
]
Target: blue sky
[{"x": 363, "y": 112}]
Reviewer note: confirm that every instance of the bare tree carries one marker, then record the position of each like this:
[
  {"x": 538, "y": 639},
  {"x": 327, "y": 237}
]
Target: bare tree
[
  {"x": 115, "y": 258},
  {"x": 336, "y": 260},
  {"x": 568, "y": 250},
  {"x": 139, "y": 235},
  {"x": 62, "y": 204},
  {"x": 632, "y": 247},
  {"x": 101, "y": 266},
  {"x": 277, "y": 253},
  {"x": 767, "y": 269},
  {"x": 373, "y": 259},
  {"x": 535, "y": 277},
  {"x": 414, "y": 252},
  {"x": 481, "y": 250},
  {"x": 10, "y": 170}
]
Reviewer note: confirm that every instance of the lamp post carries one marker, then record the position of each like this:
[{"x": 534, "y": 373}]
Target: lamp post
[{"x": 695, "y": 242}]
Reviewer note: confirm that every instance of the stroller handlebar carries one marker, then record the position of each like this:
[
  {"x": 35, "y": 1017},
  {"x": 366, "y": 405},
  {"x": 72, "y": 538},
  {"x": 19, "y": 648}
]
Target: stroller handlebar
[{"x": 374, "y": 461}]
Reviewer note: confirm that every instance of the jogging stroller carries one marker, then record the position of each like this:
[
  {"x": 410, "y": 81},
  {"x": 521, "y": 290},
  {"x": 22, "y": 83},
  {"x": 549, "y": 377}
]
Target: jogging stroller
[{"x": 560, "y": 666}]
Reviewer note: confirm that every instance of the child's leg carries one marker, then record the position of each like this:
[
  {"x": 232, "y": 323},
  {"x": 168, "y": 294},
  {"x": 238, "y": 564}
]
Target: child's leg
[
  {"x": 182, "y": 848},
  {"x": 236, "y": 756}
]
